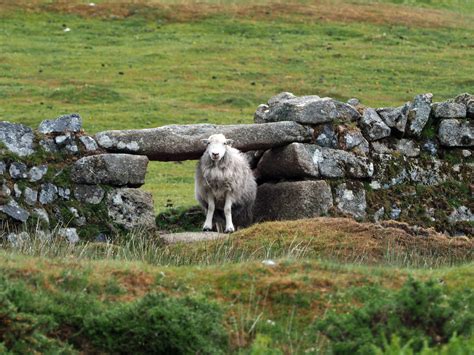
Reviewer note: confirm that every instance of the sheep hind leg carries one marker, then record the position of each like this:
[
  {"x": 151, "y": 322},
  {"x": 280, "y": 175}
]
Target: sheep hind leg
[
  {"x": 229, "y": 226},
  {"x": 210, "y": 215}
]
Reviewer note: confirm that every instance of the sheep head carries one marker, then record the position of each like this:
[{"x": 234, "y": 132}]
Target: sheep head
[{"x": 217, "y": 146}]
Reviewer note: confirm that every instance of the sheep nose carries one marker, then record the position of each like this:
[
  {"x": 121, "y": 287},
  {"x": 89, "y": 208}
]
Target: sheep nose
[{"x": 215, "y": 155}]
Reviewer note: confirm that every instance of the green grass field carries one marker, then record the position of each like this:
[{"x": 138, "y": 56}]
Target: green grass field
[
  {"x": 337, "y": 286},
  {"x": 181, "y": 62}
]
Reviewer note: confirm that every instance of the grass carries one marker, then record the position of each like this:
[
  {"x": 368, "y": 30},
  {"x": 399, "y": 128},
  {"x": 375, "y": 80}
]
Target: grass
[
  {"x": 127, "y": 67},
  {"x": 150, "y": 63}
]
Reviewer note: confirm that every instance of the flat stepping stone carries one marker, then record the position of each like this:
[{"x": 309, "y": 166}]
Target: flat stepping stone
[{"x": 192, "y": 237}]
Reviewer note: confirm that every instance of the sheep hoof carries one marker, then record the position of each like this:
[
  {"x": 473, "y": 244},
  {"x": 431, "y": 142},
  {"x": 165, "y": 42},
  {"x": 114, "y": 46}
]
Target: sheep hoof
[
  {"x": 206, "y": 229},
  {"x": 229, "y": 230}
]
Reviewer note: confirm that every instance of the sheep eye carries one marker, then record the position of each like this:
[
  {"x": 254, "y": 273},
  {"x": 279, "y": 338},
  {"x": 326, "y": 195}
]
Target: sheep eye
[{"x": 225, "y": 143}]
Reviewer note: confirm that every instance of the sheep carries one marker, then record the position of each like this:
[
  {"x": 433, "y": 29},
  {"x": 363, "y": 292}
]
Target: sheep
[{"x": 224, "y": 183}]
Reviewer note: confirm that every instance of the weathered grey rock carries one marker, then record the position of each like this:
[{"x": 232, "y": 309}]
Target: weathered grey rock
[
  {"x": 408, "y": 148},
  {"x": 184, "y": 142},
  {"x": 79, "y": 220},
  {"x": 456, "y": 133},
  {"x": 466, "y": 153},
  {"x": 293, "y": 161},
  {"x": 395, "y": 212},
  {"x": 3, "y": 167},
  {"x": 15, "y": 211},
  {"x": 64, "y": 193},
  {"x": 283, "y": 96},
  {"x": 41, "y": 215},
  {"x": 62, "y": 140},
  {"x": 395, "y": 117},
  {"x": 350, "y": 199},
  {"x": 379, "y": 214},
  {"x": 49, "y": 145},
  {"x": 308, "y": 110},
  {"x": 192, "y": 237},
  {"x": 292, "y": 200},
  {"x": 48, "y": 194},
  {"x": 30, "y": 196},
  {"x": 17, "y": 191},
  {"x": 354, "y": 141},
  {"x": 372, "y": 125},
  {"x": 62, "y": 124},
  {"x": 44, "y": 236},
  {"x": 449, "y": 110},
  {"x": 89, "y": 143},
  {"x": 391, "y": 170},
  {"x": 354, "y": 102},
  {"x": 16, "y": 240},
  {"x": 327, "y": 137},
  {"x": 259, "y": 115},
  {"x": 335, "y": 163},
  {"x": 18, "y": 170},
  {"x": 253, "y": 157},
  {"x": 5, "y": 192},
  {"x": 17, "y": 138},
  {"x": 89, "y": 194},
  {"x": 36, "y": 173},
  {"x": 431, "y": 147},
  {"x": 131, "y": 208},
  {"x": 419, "y": 113},
  {"x": 461, "y": 214},
  {"x": 70, "y": 234},
  {"x": 111, "y": 169},
  {"x": 467, "y": 100}
]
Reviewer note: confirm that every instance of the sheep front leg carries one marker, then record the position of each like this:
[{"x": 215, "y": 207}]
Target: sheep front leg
[
  {"x": 210, "y": 214},
  {"x": 229, "y": 226}
]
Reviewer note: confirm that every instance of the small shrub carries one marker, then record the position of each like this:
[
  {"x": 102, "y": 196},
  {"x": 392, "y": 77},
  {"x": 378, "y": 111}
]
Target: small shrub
[{"x": 419, "y": 312}]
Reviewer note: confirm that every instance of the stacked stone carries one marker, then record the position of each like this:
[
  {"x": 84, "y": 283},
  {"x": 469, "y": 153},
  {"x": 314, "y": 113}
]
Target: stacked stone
[
  {"x": 314, "y": 156},
  {"x": 58, "y": 176},
  {"x": 355, "y": 146}
]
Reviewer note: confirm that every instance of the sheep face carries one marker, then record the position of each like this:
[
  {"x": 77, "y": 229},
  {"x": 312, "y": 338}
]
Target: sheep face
[{"x": 217, "y": 146}]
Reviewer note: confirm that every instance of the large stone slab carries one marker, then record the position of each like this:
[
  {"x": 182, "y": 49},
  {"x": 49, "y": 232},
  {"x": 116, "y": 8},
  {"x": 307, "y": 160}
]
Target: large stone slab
[
  {"x": 467, "y": 100},
  {"x": 131, "y": 208},
  {"x": 111, "y": 169},
  {"x": 395, "y": 117},
  {"x": 66, "y": 123},
  {"x": 419, "y": 113},
  {"x": 305, "y": 109},
  {"x": 298, "y": 161},
  {"x": 449, "y": 109},
  {"x": 373, "y": 126},
  {"x": 336, "y": 163},
  {"x": 292, "y": 200},
  {"x": 17, "y": 138},
  {"x": 293, "y": 161},
  {"x": 175, "y": 142},
  {"x": 192, "y": 237},
  {"x": 456, "y": 133}
]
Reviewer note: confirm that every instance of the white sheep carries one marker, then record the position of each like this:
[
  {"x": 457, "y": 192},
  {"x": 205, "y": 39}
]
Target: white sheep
[{"x": 224, "y": 183}]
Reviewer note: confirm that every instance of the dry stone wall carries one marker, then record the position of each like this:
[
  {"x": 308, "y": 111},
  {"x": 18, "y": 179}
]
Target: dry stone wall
[
  {"x": 319, "y": 156},
  {"x": 312, "y": 156},
  {"x": 57, "y": 178}
]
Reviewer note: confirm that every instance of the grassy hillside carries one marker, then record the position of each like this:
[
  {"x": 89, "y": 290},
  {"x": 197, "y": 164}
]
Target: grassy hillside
[
  {"x": 111, "y": 298},
  {"x": 153, "y": 63}
]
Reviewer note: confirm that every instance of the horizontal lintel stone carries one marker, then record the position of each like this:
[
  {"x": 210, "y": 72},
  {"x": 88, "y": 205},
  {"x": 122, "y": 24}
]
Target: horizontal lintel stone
[{"x": 183, "y": 142}]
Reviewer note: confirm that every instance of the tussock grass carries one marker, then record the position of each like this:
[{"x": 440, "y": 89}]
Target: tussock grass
[{"x": 337, "y": 239}]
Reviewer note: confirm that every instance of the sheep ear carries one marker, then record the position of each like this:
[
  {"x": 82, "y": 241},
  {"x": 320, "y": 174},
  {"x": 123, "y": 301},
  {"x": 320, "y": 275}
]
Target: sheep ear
[
  {"x": 230, "y": 142},
  {"x": 205, "y": 141}
]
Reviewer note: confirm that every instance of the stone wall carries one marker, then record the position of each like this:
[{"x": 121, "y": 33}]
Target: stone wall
[
  {"x": 312, "y": 156},
  {"x": 58, "y": 178},
  {"x": 319, "y": 156}
]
